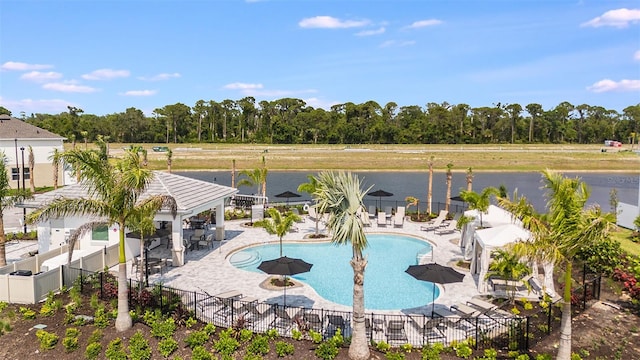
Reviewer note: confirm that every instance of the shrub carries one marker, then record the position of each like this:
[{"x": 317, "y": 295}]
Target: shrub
[
  {"x": 603, "y": 257},
  {"x": 47, "y": 340},
  {"x": 272, "y": 334},
  {"x": 196, "y": 338},
  {"x": 489, "y": 354},
  {"x": 139, "y": 347},
  {"x": 259, "y": 345},
  {"x": 283, "y": 349},
  {"x": 315, "y": 336},
  {"x": 383, "y": 346},
  {"x": 72, "y": 332},
  {"x": 463, "y": 350},
  {"x": 245, "y": 335},
  {"x": 100, "y": 318},
  {"x": 167, "y": 346},
  {"x": 327, "y": 350},
  {"x": 432, "y": 352},
  {"x": 296, "y": 334},
  {"x": 226, "y": 344},
  {"x": 27, "y": 314},
  {"x": 93, "y": 350},
  {"x": 70, "y": 344},
  {"x": 406, "y": 348},
  {"x": 190, "y": 322},
  {"x": 115, "y": 351},
  {"x": 544, "y": 357},
  {"x": 96, "y": 336},
  {"x": 163, "y": 329},
  {"x": 200, "y": 353},
  {"x": 210, "y": 329},
  {"x": 391, "y": 355}
]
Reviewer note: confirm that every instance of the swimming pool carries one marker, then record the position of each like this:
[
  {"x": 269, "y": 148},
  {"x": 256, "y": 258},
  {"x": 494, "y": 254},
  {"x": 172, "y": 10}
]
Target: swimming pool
[{"x": 387, "y": 286}]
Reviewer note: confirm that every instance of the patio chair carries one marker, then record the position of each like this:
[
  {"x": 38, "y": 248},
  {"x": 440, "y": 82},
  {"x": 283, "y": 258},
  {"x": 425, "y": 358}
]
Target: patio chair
[
  {"x": 429, "y": 328},
  {"x": 388, "y": 211},
  {"x": 450, "y": 228},
  {"x": 335, "y": 322},
  {"x": 313, "y": 321},
  {"x": 382, "y": 219},
  {"x": 284, "y": 317},
  {"x": 442, "y": 216},
  {"x": 398, "y": 221},
  {"x": 433, "y": 226},
  {"x": 198, "y": 234},
  {"x": 207, "y": 241},
  {"x": 372, "y": 211},
  {"x": 256, "y": 312},
  {"x": 395, "y": 331}
]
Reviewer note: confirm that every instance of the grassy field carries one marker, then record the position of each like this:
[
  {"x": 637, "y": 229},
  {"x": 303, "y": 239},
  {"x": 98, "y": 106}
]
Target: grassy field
[
  {"x": 622, "y": 236},
  {"x": 392, "y": 157}
]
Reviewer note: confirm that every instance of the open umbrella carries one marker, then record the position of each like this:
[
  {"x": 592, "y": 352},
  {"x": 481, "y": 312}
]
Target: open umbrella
[
  {"x": 285, "y": 266},
  {"x": 287, "y": 195},
  {"x": 436, "y": 274},
  {"x": 380, "y": 193}
]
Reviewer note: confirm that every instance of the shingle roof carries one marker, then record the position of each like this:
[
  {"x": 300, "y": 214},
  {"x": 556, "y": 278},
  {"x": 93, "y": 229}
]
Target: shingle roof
[
  {"x": 12, "y": 128},
  {"x": 189, "y": 193}
]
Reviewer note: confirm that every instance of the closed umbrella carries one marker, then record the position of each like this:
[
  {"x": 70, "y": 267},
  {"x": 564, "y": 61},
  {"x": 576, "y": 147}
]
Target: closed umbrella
[
  {"x": 285, "y": 266},
  {"x": 380, "y": 194},
  {"x": 436, "y": 274}
]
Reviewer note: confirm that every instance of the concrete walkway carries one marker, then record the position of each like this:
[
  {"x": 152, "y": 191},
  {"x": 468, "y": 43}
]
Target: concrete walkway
[{"x": 210, "y": 270}]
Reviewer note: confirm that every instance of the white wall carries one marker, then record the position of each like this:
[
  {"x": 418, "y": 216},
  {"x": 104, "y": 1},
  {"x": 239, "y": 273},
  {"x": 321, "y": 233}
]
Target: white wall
[
  {"x": 42, "y": 149},
  {"x": 627, "y": 213}
]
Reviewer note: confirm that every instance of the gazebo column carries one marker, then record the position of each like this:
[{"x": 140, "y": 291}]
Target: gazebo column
[
  {"x": 177, "y": 248},
  {"x": 220, "y": 222}
]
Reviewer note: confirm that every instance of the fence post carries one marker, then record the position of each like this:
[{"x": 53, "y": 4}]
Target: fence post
[
  {"x": 81, "y": 281},
  {"x": 477, "y": 333},
  {"x": 549, "y": 318}
]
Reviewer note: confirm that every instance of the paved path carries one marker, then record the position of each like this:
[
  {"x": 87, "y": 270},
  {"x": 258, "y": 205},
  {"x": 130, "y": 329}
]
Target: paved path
[{"x": 211, "y": 271}]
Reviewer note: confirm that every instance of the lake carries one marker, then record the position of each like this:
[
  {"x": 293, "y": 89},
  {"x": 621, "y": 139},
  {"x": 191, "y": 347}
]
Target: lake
[{"x": 403, "y": 184}]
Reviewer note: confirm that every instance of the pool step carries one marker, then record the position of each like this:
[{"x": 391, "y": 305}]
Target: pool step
[
  {"x": 246, "y": 258},
  {"x": 424, "y": 255}
]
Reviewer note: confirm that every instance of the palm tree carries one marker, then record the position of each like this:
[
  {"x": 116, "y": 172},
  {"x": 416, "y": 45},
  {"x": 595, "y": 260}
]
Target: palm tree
[
  {"x": 340, "y": 195},
  {"x": 6, "y": 201},
  {"x": 560, "y": 234},
  {"x": 479, "y": 201},
  {"x": 310, "y": 188},
  {"x": 114, "y": 197},
  {"x": 447, "y": 201},
  {"x": 430, "y": 189},
  {"x": 32, "y": 165},
  {"x": 413, "y": 201},
  {"x": 255, "y": 177},
  {"x": 507, "y": 265},
  {"x": 56, "y": 158},
  {"x": 469, "y": 179},
  {"x": 169, "y": 159},
  {"x": 279, "y": 225}
]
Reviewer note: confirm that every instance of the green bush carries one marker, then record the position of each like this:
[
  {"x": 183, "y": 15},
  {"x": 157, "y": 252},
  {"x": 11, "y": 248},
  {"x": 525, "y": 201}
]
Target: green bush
[
  {"x": 70, "y": 343},
  {"x": 383, "y": 346},
  {"x": 283, "y": 349},
  {"x": 245, "y": 335},
  {"x": 463, "y": 350},
  {"x": 115, "y": 351},
  {"x": 544, "y": 357},
  {"x": 315, "y": 336},
  {"x": 603, "y": 257},
  {"x": 296, "y": 334},
  {"x": 27, "y": 314},
  {"x": 95, "y": 337},
  {"x": 210, "y": 329},
  {"x": 139, "y": 347},
  {"x": 72, "y": 332},
  {"x": 259, "y": 345},
  {"x": 93, "y": 350},
  {"x": 47, "y": 340},
  {"x": 163, "y": 329},
  {"x": 167, "y": 346},
  {"x": 272, "y": 334},
  {"x": 196, "y": 338},
  {"x": 226, "y": 345},
  {"x": 200, "y": 353},
  {"x": 392, "y": 355},
  {"x": 100, "y": 318},
  {"x": 432, "y": 352},
  {"x": 327, "y": 350}
]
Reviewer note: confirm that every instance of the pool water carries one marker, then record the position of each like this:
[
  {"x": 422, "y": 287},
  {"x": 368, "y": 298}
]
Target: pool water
[{"x": 387, "y": 286}]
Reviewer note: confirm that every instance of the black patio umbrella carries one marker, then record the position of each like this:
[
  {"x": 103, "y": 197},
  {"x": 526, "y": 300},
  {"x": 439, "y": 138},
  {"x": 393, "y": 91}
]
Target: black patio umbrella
[
  {"x": 456, "y": 198},
  {"x": 436, "y": 274},
  {"x": 287, "y": 195},
  {"x": 285, "y": 266},
  {"x": 380, "y": 193}
]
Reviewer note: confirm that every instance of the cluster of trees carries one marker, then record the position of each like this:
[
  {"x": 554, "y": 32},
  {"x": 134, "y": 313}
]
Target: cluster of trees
[{"x": 291, "y": 121}]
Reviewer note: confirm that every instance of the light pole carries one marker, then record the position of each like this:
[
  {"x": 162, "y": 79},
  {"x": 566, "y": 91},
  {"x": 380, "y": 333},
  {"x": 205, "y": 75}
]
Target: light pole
[
  {"x": 24, "y": 210},
  {"x": 17, "y": 164}
]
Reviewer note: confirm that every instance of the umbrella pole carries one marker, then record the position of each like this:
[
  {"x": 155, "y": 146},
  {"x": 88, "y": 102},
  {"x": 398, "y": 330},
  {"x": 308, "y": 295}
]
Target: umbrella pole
[
  {"x": 433, "y": 299},
  {"x": 285, "y": 292}
]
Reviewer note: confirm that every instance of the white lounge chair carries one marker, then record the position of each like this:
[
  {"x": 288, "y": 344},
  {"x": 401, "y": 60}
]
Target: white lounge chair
[
  {"x": 372, "y": 211},
  {"x": 442, "y": 216},
  {"x": 364, "y": 216},
  {"x": 450, "y": 228},
  {"x": 382, "y": 219},
  {"x": 398, "y": 221},
  {"x": 433, "y": 226}
]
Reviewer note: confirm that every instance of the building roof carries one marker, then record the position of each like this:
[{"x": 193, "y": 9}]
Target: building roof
[
  {"x": 12, "y": 128},
  {"x": 189, "y": 193}
]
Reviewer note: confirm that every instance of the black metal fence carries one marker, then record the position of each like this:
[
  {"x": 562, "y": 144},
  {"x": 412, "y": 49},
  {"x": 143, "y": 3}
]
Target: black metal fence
[{"x": 492, "y": 329}]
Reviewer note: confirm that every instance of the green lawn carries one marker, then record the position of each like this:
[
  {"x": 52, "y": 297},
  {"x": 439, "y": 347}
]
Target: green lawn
[{"x": 622, "y": 236}]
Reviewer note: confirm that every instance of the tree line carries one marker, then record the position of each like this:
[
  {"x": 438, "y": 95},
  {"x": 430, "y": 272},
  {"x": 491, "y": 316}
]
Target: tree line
[{"x": 291, "y": 121}]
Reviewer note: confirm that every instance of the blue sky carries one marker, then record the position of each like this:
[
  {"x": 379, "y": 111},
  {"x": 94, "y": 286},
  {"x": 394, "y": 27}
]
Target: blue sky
[{"x": 107, "y": 56}]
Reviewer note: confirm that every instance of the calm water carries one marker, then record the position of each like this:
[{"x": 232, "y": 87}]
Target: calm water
[
  {"x": 415, "y": 184},
  {"x": 332, "y": 276}
]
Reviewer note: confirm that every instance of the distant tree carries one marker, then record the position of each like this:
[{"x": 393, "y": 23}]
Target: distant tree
[
  {"x": 413, "y": 201},
  {"x": 479, "y": 201},
  {"x": 4, "y": 111},
  {"x": 277, "y": 224},
  {"x": 56, "y": 158}
]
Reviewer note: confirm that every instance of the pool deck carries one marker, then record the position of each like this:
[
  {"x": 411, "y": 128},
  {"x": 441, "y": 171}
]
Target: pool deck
[{"x": 209, "y": 269}]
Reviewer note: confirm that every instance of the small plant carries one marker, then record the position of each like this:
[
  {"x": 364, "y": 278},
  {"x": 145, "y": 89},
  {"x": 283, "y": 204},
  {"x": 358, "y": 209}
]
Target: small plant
[
  {"x": 544, "y": 357},
  {"x": 272, "y": 334},
  {"x": 139, "y": 348},
  {"x": 96, "y": 336},
  {"x": 296, "y": 334},
  {"x": 463, "y": 350},
  {"x": 259, "y": 345},
  {"x": 94, "y": 302},
  {"x": 115, "y": 350},
  {"x": 226, "y": 344},
  {"x": 383, "y": 346},
  {"x": 167, "y": 346},
  {"x": 163, "y": 329},
  {"x": 190, "y": 322},
  {"x": 407, "y": 348},
  {"x": 210, "y": 329},
  {"x": 283, "y": 349},
  {"x": 196, "y": 338},
  {"x": 327, "y": 350},
  {"x": 392, "y": 355},
  {"x": 522, "y": 357},
  {"x": 200, "y": 353},
  {"x": 93, "y": 350},
  {"x": 489, "y": 354},
  {"x": 515, "y": 311},
  {"x": 27, "y": 314},
  {"x": 101, "y": 318},
  {"x": 432, "y": 352},
  {"x": 575, "y": 356},
  {"x": 70, "y": 341},
  {"x": 47, "y": 339},
  {"x": 315, "y": 337}
]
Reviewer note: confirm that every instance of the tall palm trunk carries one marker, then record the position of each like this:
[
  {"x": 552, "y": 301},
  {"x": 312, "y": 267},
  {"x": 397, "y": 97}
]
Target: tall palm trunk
[
  {"x": 430, "y": 189},
  {"x": 32, "y": 165},
  {"x": 564, "y": 350},
  {"x": 447, "y": 201},
  {"x": 233, "y": 173},
  {"x": 123, "y": 320},
  {"x": 359, "y": 348},
  {"x": 56, "y": 170},
  {"x": 469, "y": 179}
]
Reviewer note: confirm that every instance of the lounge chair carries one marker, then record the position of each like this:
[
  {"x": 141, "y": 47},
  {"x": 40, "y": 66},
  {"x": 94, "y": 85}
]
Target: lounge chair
[
  {"x": 450, "y": 228},
  {"x": 335, "y": 322},
  {"x": 465, "y": 311},
  {"x": 433, "y": 226},
  {"x": 313, "y": 321},
  {"x": 313, "y": 215},
  {"x": 372, "y": 211},
  {"x": 395, "y": 331},
  {"x": 364, "y": 216},
  {"x": 382, "y": 219},
  {"x": 442, "y": 216},
  {"x": 256, "y": 312},
  {"x": 284, "y": 317},
  {"x": 429, "y": 328},
  {"x": 388, "y": 211},
  {"x": 481, "y": 304},
  {"x": 398, "y": 221}
]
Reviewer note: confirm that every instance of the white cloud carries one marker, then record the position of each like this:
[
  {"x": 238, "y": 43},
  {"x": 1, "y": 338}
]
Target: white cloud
[
  {"x": 69, "y": 87},
  {"x": 20, "y": 66},
  {"x": 329, "y": 22},
  {"x": 160, "y": 77},
  {"x": 424, "y": 23},
  {"x": 396, "y": 43},
  {"x": 619, "y": 18},
  {"x": 607, "y": 85},
  {"x": 242, "y": 86},
  {"x": 140, "y": 93},
  {"x": 105, "y": 74},
  {"x": 35, "y": 106},
  {"x": 38, "y": 76},
  {"x": 371, "y": 32},
  {"x": 319, "y": 103},
  {"x": 636, "y": 55}
]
